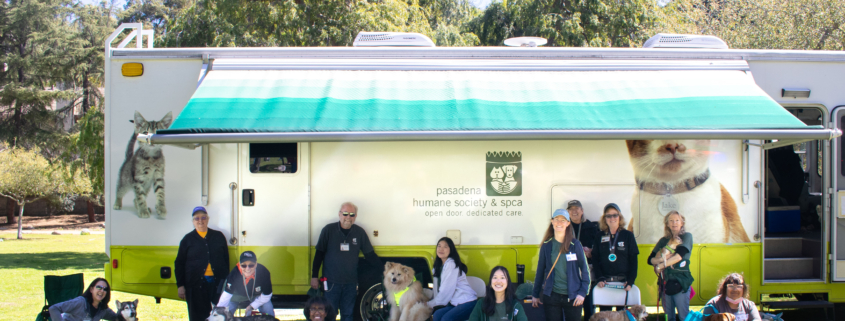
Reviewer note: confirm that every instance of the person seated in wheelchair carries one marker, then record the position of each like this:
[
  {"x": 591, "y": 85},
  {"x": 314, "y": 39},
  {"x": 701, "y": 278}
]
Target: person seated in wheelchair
[{"x": 249, "y": 286}]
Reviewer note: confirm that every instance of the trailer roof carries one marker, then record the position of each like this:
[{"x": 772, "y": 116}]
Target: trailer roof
[{"x": 249, "y": 103}]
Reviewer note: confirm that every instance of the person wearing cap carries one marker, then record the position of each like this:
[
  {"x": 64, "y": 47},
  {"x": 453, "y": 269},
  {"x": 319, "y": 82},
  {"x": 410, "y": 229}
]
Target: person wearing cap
[
  {"x": 201, "y": 264},
  {"x": 339, "y": 245},
  {"x": 249, "y": 282},
  {"x": 585, "y": 232},
  {"x": 563, "y": 278},
  {"x": 615, "y": 252}
]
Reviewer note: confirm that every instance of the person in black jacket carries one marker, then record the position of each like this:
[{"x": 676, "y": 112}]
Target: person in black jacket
[
  {"x": 201, "y": 264},
  {"x": 585, "y": 232},
  {"x": 614, "y": 252}
]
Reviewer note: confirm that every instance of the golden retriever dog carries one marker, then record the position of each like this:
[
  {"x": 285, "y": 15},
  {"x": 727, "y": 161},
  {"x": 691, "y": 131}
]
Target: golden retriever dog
[
  {"x": 404, "y": 293},
  {"x": 638, "y": 311},
  {"x": 720, "y": 317}
]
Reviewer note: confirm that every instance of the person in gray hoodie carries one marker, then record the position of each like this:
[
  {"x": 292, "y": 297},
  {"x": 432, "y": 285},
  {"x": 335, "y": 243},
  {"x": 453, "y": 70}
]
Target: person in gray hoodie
[{"x": 92, "y": 305}]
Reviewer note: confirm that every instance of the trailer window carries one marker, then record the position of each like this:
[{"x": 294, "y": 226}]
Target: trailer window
[{"x": 273, "y": 157}]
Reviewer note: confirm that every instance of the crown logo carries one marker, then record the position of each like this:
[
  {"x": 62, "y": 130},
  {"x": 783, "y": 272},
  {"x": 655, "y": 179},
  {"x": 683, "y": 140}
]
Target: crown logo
[{"x": 504, "y": 157}]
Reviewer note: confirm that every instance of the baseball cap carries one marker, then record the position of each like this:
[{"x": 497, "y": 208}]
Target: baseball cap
[
  {"x": 248, "y": 256},
  {"x": 612, "y": 205},
  {"x": 573, "y": 203},
  {"x": 559, "y": 212},
  {"x": 198, "y": 209}
]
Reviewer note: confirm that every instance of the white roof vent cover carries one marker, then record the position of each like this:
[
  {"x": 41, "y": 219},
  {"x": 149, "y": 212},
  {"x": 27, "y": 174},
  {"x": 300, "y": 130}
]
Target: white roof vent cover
[
  {"x": 668, "y": 40},
  {"x": 391, "y": 39}
]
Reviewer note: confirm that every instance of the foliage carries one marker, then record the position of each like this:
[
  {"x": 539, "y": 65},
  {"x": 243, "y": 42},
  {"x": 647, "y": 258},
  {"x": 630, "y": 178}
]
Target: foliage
[
  {"x": 25, "y": 176},
  {"x": 84, "y": 157}
]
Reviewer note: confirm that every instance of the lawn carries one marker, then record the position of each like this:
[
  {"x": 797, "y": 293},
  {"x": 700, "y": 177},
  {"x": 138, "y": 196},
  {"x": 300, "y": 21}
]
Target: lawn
[{"x": 23, "y": 264}]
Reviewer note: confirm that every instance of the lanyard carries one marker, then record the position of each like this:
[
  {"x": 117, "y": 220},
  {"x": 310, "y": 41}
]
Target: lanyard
[
  {"x": 613, "y": 241},
  {"x": 578, "y": 235},
  {"x": 254, "y": 280},
  {"x": 340, "y": 229}
]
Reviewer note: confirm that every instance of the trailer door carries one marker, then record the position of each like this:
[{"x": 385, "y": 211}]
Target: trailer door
[
  {"x": 837, "y": 213},
  {"x": 274, "y": 210}
]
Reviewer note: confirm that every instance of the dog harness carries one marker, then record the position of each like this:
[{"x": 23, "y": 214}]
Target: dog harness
[
  {"x": 630, "y": 316},
  {"x": 398, "y": 295}
]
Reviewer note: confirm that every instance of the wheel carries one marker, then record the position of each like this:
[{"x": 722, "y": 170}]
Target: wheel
[{"x": 374, "y": 306}]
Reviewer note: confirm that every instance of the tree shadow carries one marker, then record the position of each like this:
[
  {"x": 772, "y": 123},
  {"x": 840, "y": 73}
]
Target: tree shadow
[{"x": 54, "y": 261}]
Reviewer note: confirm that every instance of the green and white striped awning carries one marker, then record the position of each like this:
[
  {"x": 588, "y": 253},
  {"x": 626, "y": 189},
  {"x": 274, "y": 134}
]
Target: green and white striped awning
[{"x": 370, "y": 105}]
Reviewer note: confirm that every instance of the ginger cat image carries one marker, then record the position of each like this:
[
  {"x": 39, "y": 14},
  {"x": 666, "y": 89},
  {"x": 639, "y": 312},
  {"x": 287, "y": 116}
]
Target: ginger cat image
[{"x": 680, "y": 168}]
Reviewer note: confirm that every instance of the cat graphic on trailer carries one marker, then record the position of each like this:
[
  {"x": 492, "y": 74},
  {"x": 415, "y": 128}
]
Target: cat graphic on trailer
[{"x": 143, "y": 168}]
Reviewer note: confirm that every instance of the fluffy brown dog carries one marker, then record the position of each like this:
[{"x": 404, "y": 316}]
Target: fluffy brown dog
[
  {"x": 405, "y": 294},
  {"x": 638, "y": 311},
  {"x": 720, "y": 317}
]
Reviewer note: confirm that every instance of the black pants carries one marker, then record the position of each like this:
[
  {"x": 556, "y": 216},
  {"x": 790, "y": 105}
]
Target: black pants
[
  {"x": 558, "y": 307},
  {"x": 200, "y": 299},
  {"x": 608, "y": 308}
]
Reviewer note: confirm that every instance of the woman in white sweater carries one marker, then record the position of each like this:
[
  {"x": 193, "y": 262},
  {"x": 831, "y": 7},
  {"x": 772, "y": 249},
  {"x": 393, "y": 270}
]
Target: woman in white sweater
[{"x": 454, "y": 298}]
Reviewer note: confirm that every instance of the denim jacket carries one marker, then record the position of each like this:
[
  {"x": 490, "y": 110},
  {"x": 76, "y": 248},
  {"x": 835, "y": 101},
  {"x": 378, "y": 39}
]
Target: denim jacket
[{"x": 577, "y": 271}]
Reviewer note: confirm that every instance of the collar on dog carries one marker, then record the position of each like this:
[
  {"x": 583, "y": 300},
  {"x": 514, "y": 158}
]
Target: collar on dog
[
  {"x": 664, "y": 189},
  {"x": 629, "y": 315},
  {"x": 398, "y": 295}
]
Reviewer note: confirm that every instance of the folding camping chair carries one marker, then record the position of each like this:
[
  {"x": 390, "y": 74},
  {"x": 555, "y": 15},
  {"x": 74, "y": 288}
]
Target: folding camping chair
[
  {"x": 610, "y": 296},
  {"x": 58, "y": 288}
]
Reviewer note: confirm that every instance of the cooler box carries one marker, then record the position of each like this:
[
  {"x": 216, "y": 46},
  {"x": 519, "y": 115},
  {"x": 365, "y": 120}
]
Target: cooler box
[{"x": 781, "y": 219}]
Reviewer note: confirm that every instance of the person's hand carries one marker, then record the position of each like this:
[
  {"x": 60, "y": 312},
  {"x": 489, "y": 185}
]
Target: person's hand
[
  {"x": 588, "y": 252},
  {"x": 181, "y": 292},
  {"x": 578, "y": 301},
  {"x": 535, "y": 302},
  {"x": 656, "y": 270},
  {"x": 248, "y": 311},
  {"x": 315, "y": 283},
  {"x": 601, "y": 284},
  {"x": 628, "y": 288}
]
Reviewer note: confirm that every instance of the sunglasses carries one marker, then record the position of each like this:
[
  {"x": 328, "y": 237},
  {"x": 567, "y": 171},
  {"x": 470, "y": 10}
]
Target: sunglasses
[
  {"x": 247, "y": 266},
  {"x": 350, "y": 214},
  {"x": 201, "y": 218},
  {"x": 101, "y": 288},
  {"x": 612, "y": 216}
]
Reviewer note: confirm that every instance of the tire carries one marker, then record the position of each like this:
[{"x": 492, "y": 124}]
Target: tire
[{"x": 374, "y": 305}]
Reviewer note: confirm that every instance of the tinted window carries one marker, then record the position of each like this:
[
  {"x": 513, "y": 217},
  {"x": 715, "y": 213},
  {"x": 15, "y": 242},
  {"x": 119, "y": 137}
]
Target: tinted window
[{"x": 273, "y": 157}]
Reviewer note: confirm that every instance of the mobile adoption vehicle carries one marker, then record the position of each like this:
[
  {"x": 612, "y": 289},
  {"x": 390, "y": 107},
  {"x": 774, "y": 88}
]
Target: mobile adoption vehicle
[{"x": 479, "y": 144}]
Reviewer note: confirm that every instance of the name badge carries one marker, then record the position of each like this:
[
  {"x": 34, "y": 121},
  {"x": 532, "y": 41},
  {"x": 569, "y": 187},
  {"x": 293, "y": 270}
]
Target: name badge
[
  {"x": 344, "y": 247},
  {"x": 571, "y": 257},
  {"x": 605, "y": 238},
  {"x": 741, "y": 316}
]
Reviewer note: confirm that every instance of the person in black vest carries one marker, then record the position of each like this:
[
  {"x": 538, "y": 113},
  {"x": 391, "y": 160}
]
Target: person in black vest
[
  {"x": 201, "y": 264},
  {"x": 248, "y": 282},
  {"x": 338, "y": 245},
  {"x": 615, "y": 252},
  {"x": 585, "y": 232}
]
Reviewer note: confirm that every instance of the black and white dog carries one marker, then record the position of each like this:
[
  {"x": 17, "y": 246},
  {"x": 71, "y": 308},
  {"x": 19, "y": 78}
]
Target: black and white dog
[
  {"x": 222, "y": 314},
  {"x": 127, "y": 310}
]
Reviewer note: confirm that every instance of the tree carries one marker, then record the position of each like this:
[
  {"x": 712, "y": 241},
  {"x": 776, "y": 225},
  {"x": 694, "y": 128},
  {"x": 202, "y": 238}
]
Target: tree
[{"x": 26, "y": 176}]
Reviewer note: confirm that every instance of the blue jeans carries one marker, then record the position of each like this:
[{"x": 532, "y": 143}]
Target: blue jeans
[
  {"x": 680, "y": 301},
  {"x": 450, "y": 312},
  {"x": 267, "y": 308},
  {"x": 342, "y": 296}
]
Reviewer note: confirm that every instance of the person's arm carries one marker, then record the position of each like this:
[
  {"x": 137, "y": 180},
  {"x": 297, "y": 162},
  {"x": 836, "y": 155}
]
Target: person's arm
[
  {"x": 179, "y": 264},
  {"x": 57, "y": 309},
  {"x": 539, "y": 277},
  {"x": 633, "y": 254},
  {"x": 108, "y": 314},
  {"x": 753, "y": 314},
  {"x": 225, "y": 297},
  {"x": 708, "y": 308},
  {"x": 261, "y": 300},
  {"x": 322, "y": 248},
  {"x": 374, "y": 260},
  {"x": 585, "y": 272},
  {"x": 477, "y": 312},
  {"x": 519, "y": 313},
  {"x": 319, "y": 256},
  {"x": 448, "y": 284}
]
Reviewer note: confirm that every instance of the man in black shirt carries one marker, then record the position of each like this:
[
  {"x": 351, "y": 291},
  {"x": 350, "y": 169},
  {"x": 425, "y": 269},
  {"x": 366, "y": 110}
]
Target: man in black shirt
[
  {"x": 248, "y": 282},
  {"x": 585, "y": 232},
  {"x": 339, "y": 245}
]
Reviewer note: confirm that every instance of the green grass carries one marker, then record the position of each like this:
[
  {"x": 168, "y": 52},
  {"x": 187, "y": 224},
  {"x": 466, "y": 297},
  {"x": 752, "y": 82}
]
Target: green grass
[{"x": 24, "y": 263}]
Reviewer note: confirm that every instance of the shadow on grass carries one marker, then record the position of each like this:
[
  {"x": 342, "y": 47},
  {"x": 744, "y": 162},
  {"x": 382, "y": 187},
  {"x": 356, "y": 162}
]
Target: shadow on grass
[{"x": 53, "y": 261}]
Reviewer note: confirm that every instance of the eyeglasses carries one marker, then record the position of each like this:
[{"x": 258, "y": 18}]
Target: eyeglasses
[
  {"x": 317, "y": 309},
  {"x": 735, "y": 286},
  {"x": 612, "y": 216},
  {"x": 247, "y": 266},
  {"x": 201, "y": 218},
  {"x": 101, "y": 288},
  {"x": 350, "y": 214}
]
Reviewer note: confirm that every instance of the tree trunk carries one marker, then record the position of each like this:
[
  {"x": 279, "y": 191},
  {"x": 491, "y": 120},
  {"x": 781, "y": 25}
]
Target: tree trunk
[
  {"x": 91, "y": 217},
  {"x": 86, "y": 103},
  {"x": 16, "y": 117},
  {"x": 11, "y": 206},
  {"x": 20, "y": 222}
]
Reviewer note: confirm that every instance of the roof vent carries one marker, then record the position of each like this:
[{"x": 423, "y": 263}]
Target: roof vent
[
  {"x": 668, "y": 40},
  {"x": 525, "y": 42},
  {"x": 391, "y": 39}
]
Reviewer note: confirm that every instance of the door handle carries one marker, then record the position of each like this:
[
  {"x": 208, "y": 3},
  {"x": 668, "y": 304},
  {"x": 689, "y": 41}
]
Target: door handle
[{"x": 248, "y": 197}]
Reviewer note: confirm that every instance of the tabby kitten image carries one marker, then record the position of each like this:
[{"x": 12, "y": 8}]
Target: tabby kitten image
[{"x": 143, "y": 168}]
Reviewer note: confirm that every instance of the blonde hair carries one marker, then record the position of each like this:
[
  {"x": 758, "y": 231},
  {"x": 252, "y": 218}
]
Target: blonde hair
[
  {"x": 603, "y": 221},
  {"x": 667, "y": 232}
]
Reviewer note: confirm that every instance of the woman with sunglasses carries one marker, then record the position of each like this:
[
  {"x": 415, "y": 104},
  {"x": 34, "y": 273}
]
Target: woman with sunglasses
[
  {"x": 248, "y": 283},
  {"x": 733, "y": 299},
  {"x": 453, "y": 293},
  {"x": 202, "y": 263},
  {"x": 92, "y": 305},
  {"x": 563, "y": 277},
  {"x": 501, "y": 303},
  {"x": 614, "y": 252}
]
